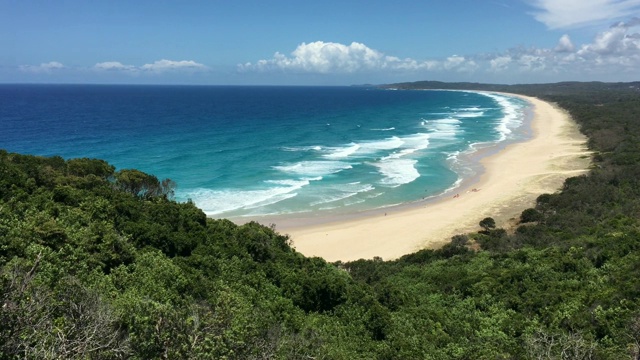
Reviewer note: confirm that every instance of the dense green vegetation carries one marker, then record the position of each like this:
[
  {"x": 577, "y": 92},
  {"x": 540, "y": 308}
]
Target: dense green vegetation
[{"x": 102, "y": 264}]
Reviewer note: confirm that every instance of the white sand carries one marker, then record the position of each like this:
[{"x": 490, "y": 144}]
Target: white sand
[{"x": 511, "y": 181}]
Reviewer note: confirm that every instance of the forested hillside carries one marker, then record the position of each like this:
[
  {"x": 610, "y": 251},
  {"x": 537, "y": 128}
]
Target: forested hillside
[{"x": 102, "y": 264}]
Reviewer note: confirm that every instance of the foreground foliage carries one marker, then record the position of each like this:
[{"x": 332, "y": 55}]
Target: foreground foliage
[{"x": 98, "y": 263}]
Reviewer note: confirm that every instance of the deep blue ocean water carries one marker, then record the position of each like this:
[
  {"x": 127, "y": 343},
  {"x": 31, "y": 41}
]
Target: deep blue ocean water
[{"x": 253, "y": 151}]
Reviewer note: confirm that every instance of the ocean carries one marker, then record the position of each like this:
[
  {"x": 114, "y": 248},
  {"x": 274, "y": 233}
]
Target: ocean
[{"x": 246, "y": 152}]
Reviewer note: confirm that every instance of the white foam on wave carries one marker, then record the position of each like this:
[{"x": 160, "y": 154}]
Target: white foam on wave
[
  {"x": 366, "y": 148},
  {"x": 363, "y": 148},
  {"x": 371, "y": 146},
  {"x": 470, "y": 114},
  {"x": 216, "y": 202},
  {"x": 384, "y": 129},
  {"x": 302, "y": 148},
  {"x": 417, "y": 141},
  {"x": 342, "y": 152},
  {"x": 444, "y": 113},
  {"x": 447, "y": 121},
  {"x": 314, "y": 168},
  {"x": 512, "y": 118},
  {"x": 453, "y": 156},
  {"x": 472, "y": 108},
  {"x": 412, "y": 143},
  {"x": 397, "y": 171},
  {"x": 293, "y": 183},
  {"x": 444, "y": 129},
  {"x": 394, "y": 166},
  {"x": 340, "y": 192},
  {"x": 454, "y": 186}
]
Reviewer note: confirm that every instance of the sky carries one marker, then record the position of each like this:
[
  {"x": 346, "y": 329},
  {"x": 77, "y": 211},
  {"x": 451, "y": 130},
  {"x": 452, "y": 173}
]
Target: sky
[{"x": 318, "y": 42}]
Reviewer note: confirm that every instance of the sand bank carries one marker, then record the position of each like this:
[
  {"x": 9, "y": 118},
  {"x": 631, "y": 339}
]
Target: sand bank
[{"x": 510, "y": 182}]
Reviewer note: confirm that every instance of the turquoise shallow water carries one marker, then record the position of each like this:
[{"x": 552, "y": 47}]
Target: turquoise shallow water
[{"x": 254, "y": 151}]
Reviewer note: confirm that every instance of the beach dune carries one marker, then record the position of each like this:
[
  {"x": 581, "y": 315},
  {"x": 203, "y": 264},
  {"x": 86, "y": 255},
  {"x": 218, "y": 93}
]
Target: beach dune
[{"x": 509, "y": 183}]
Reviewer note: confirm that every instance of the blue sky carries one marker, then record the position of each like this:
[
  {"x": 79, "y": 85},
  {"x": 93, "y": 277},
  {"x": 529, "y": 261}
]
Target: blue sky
[{"x": 328, "y": 42}]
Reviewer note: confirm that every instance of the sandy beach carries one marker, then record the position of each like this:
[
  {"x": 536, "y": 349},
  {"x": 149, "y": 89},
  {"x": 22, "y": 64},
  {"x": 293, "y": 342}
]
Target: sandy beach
[{"x": 510, "y": 182}]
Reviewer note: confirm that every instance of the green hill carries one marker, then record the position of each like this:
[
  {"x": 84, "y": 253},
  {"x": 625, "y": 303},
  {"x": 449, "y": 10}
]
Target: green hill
[{"x": 102, "y": 264}]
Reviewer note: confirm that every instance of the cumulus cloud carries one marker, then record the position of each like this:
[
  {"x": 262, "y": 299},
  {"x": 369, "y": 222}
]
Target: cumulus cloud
[
  {"x": 170, "y": 65},
  {"x": 500, "y": 63},
  {"x": 615, "y": 50},
  {"x": 533, "y": 62},
  {"x": 615, "y": 41},
  {"x": 618, "y": 45},
  {"x": 564, "y": 44},
  {"x": 612, "y": 52},
  {"x": 114, "y": 66},
  {"x": 459, "y": 63},
  {"x": 324, "y": 57},
  {"x": 328, "y": 57},
  {"x": 42, "y": 68},
  {"x": 159, "y": 66},
  {"x": 557, "y": 14}
]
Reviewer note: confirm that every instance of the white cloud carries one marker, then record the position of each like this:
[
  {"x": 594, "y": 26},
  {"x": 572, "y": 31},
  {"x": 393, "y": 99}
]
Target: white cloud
[
  {"x": 564, "y": 44},
  {"x": 453, "y": 62},
  {"x": 159, "y": 66},
  {"x": 42, "y": 68},
  {"x": 321, "y": 57},
  {"x": 169, "y": 65},
  {"x": 329, "y": 57},
  {"x": 616, "y": 48},
  {"x": 557, "y": 14},
  {"x": 532, "y": 62},
  {"x": 613, "y": 51},
  {"x": 500, "y": 63},
  {"x": 460, "y": 64},
  {"x": 114, "y": 66},
  {"x": 617, "y": 41}
]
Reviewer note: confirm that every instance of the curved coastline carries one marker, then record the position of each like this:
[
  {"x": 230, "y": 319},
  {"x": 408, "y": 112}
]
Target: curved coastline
[{"x": 511, "y": 179}]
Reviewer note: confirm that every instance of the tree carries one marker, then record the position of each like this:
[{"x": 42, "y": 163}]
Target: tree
[
  {"x": 85, "y": 166},
  {"x": 143, "y": 185},
  {"x": 542, "y": 345},
  {"x": 71, "y": 321},
  {"x": 487, "y": 224},
  {"x": 459, "y": 240},
  {"x": 530, "y": 215}
]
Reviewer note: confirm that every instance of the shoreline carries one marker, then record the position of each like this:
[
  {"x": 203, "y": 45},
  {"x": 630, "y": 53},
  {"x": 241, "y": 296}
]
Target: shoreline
[{"x": 555, "y": 151}]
